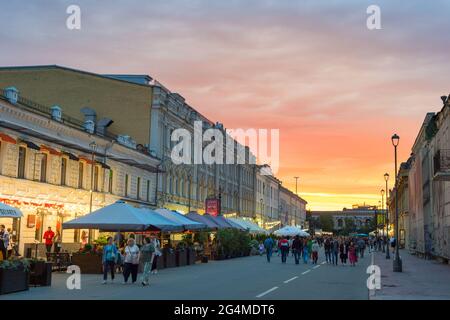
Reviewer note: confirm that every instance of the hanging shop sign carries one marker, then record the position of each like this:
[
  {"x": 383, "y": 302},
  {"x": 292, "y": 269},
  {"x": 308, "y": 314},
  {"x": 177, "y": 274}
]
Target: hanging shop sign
[
  {"x": 31, "y": 220},
  {"x": 212, "y": 206}
]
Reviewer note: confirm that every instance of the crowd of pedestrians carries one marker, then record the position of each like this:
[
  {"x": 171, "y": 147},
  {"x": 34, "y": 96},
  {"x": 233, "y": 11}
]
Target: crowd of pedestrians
[
  {"x": 338, "y": 249},
  {"x": 127, "y": 256}
]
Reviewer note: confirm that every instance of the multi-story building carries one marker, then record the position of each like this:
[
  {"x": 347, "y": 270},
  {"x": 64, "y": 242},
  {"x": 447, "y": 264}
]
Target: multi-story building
[
  {"x": 145, "y": 113},
  {"x": 267, "y": 198},
  {"x": 360, "y": 215},
  {"x": 403, "y": 206},
  {"x": 292, "y": 208},
  {"x": 233, "y": 183},
  {"x": 54, "y": 168},
  {"x": 429, "y": 187}
]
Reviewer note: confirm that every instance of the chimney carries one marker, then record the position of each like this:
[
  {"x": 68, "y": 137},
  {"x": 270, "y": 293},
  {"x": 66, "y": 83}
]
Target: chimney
[
  {"x": 12, "y": 94},
  {"x": 102, "y": 124},
  {"x": 56, "y": 113},
  {"x": 89, "y": 126},
  {"x": 90, "y": 117},
  {"x": 89, "y": 114}
]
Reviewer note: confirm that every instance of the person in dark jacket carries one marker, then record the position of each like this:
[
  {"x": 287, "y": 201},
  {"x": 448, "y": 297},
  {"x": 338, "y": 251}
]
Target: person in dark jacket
[{"x": 297, "y": 248}]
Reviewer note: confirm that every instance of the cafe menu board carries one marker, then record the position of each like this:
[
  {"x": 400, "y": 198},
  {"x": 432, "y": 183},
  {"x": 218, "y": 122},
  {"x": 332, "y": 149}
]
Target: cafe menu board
[{"x": 212, "y": 206}]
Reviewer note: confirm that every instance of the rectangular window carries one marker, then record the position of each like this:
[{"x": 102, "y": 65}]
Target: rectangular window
[
  {"x": 138, "y": 192},
  {"x": 21, "y": 162},
  {"x": 80, "y": 175},
  {"x": 43, "y": 167},
  {"x": 148, "y": 190},
  {"x": 96, "y": 174},
  {"x": 110, "y": 182},
  {"x": 63, "y": 171},
  {"x": 126, "y": 185}
]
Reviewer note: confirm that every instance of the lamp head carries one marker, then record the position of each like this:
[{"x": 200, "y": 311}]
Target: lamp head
[
  {"x": 395, "y": 140},
  {"x": 93, "y": 145},
  {"x": 386, "y": 177},
  {"x": 382, "y": 192}
]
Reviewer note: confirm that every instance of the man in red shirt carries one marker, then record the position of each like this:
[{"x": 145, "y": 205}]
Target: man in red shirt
[
  {"x": 284, "y": 246},
  {"x": 48, "y": 237}
]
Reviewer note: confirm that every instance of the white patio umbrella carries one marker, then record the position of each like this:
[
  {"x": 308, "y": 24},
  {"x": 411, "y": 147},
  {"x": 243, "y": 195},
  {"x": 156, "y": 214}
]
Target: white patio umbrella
[
  {"x": 7, "y": 211},
  {"x": 121, "y": 216},
  {"x": 291, "y": 232}
]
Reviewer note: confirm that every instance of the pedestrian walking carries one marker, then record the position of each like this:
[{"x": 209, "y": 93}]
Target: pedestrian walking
[
  {"x": 109, "y": 258},
  {"x": 335, "y": 251},
  {"x": 158, "y": 253},
  {"x": 343, "y": 253},
  {"x": 261, "y": 248},
  {"x": 297, "y": 245},
  {"x": 4, "y": 242},
  {"x": 327, "y": 248},
  {"x": 284, "y": 247},
  {"x": 57, "y": 242},
  {"x": 131, "y": 260},
  {"x": 361, "y": 247},
  {"x": 352, "y": 254},
  {"x": 310, "y": 242},
  {"x": 315, "y": 251},
  {"x": 393, "y": 243},
  {"x": 305, "y": 252},
  {"x": 147, "y": 256},
  {"x": 48, "y": 237},
  {"x": 268, "y": 245}
]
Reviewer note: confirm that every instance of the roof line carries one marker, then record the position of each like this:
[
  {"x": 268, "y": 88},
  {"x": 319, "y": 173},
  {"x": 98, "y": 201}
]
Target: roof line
[{"x": 55, "y": 66}]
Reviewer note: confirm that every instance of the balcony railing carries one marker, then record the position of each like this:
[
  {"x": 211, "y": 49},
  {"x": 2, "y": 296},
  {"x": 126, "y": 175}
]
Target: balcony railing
[{"x": 441, "y": 162}]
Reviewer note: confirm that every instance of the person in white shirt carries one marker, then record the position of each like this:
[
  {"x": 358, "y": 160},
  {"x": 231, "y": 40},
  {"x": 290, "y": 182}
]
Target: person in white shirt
[
  {"x": 158, "y": 253},
  {"x": 131, "y": 261}
]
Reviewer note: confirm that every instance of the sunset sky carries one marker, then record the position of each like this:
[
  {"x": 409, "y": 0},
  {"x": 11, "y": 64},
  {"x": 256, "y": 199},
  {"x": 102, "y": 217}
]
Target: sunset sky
[{"x": 336, "y": 90}]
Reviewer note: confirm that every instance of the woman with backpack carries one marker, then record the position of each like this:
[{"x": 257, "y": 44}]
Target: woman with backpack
[{"x": 110, "y": 256}]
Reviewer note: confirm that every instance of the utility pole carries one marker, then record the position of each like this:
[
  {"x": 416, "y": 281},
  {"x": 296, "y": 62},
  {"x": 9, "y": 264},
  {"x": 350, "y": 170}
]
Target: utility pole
[{"x": 296, "y": 180}]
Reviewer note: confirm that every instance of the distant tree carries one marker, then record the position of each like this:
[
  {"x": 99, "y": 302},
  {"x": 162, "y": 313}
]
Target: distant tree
[
  {"x": 326, "y": 222},
  {"x": 349, "y": 226}
]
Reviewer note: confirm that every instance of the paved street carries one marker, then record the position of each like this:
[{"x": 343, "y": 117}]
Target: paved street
[
  {"x": 242, "y": 278},
  {"x": 420, "y": 279}
]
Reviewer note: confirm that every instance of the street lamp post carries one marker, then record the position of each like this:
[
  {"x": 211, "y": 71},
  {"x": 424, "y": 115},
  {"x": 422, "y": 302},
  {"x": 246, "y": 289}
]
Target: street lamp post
[
  {"x": 397, "y": 261},
  {"x": 93, "y": 147},
  {"x": 382, "y": 208},
  {"x": 189, "y": 192},
  {"x": 262, "y": 213},
  {"x": 296, "y": 180},
  {"x": 386, "y": 178}
]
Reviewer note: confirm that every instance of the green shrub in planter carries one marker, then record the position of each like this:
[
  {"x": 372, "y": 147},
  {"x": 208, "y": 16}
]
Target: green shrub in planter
[{"x": 14, "y": 275}]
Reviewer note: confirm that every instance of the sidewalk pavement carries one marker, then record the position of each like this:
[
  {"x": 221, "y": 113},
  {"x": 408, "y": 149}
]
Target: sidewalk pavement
[{"x": 420, "y": 280}]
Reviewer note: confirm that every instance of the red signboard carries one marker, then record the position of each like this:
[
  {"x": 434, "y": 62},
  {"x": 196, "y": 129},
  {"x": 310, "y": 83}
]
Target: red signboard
[{"x": 212, "y": 206}]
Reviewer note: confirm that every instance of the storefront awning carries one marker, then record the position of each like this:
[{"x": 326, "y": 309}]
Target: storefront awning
[
  {"x": 6, "y": 138},
  {"x": 7, "y": 211}
]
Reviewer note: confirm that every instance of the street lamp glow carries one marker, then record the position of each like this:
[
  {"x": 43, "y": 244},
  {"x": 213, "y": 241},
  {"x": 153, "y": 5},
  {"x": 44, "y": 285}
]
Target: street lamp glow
[
  {"x": 395, "y": 140},
  {"x": 386, "y": 177},
  {"x": 382, "y": 192}
]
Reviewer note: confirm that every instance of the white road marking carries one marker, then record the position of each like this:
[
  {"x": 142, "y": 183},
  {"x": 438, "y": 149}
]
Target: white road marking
[
  {"x": 316, "y": 266},
  {"x": 306, "y": 271},
  {"x": 266, "y": 292},
  {"x": 324, "y": 262},
  {"x": 287, "y": 281}
]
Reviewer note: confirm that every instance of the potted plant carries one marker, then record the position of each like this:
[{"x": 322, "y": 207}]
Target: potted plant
[
  {"x": 89, "y": 259},
  {"x": 169, "y": 258},
  {"x": 14, "y": 275},
  {"x": 40, "y": 272}
]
